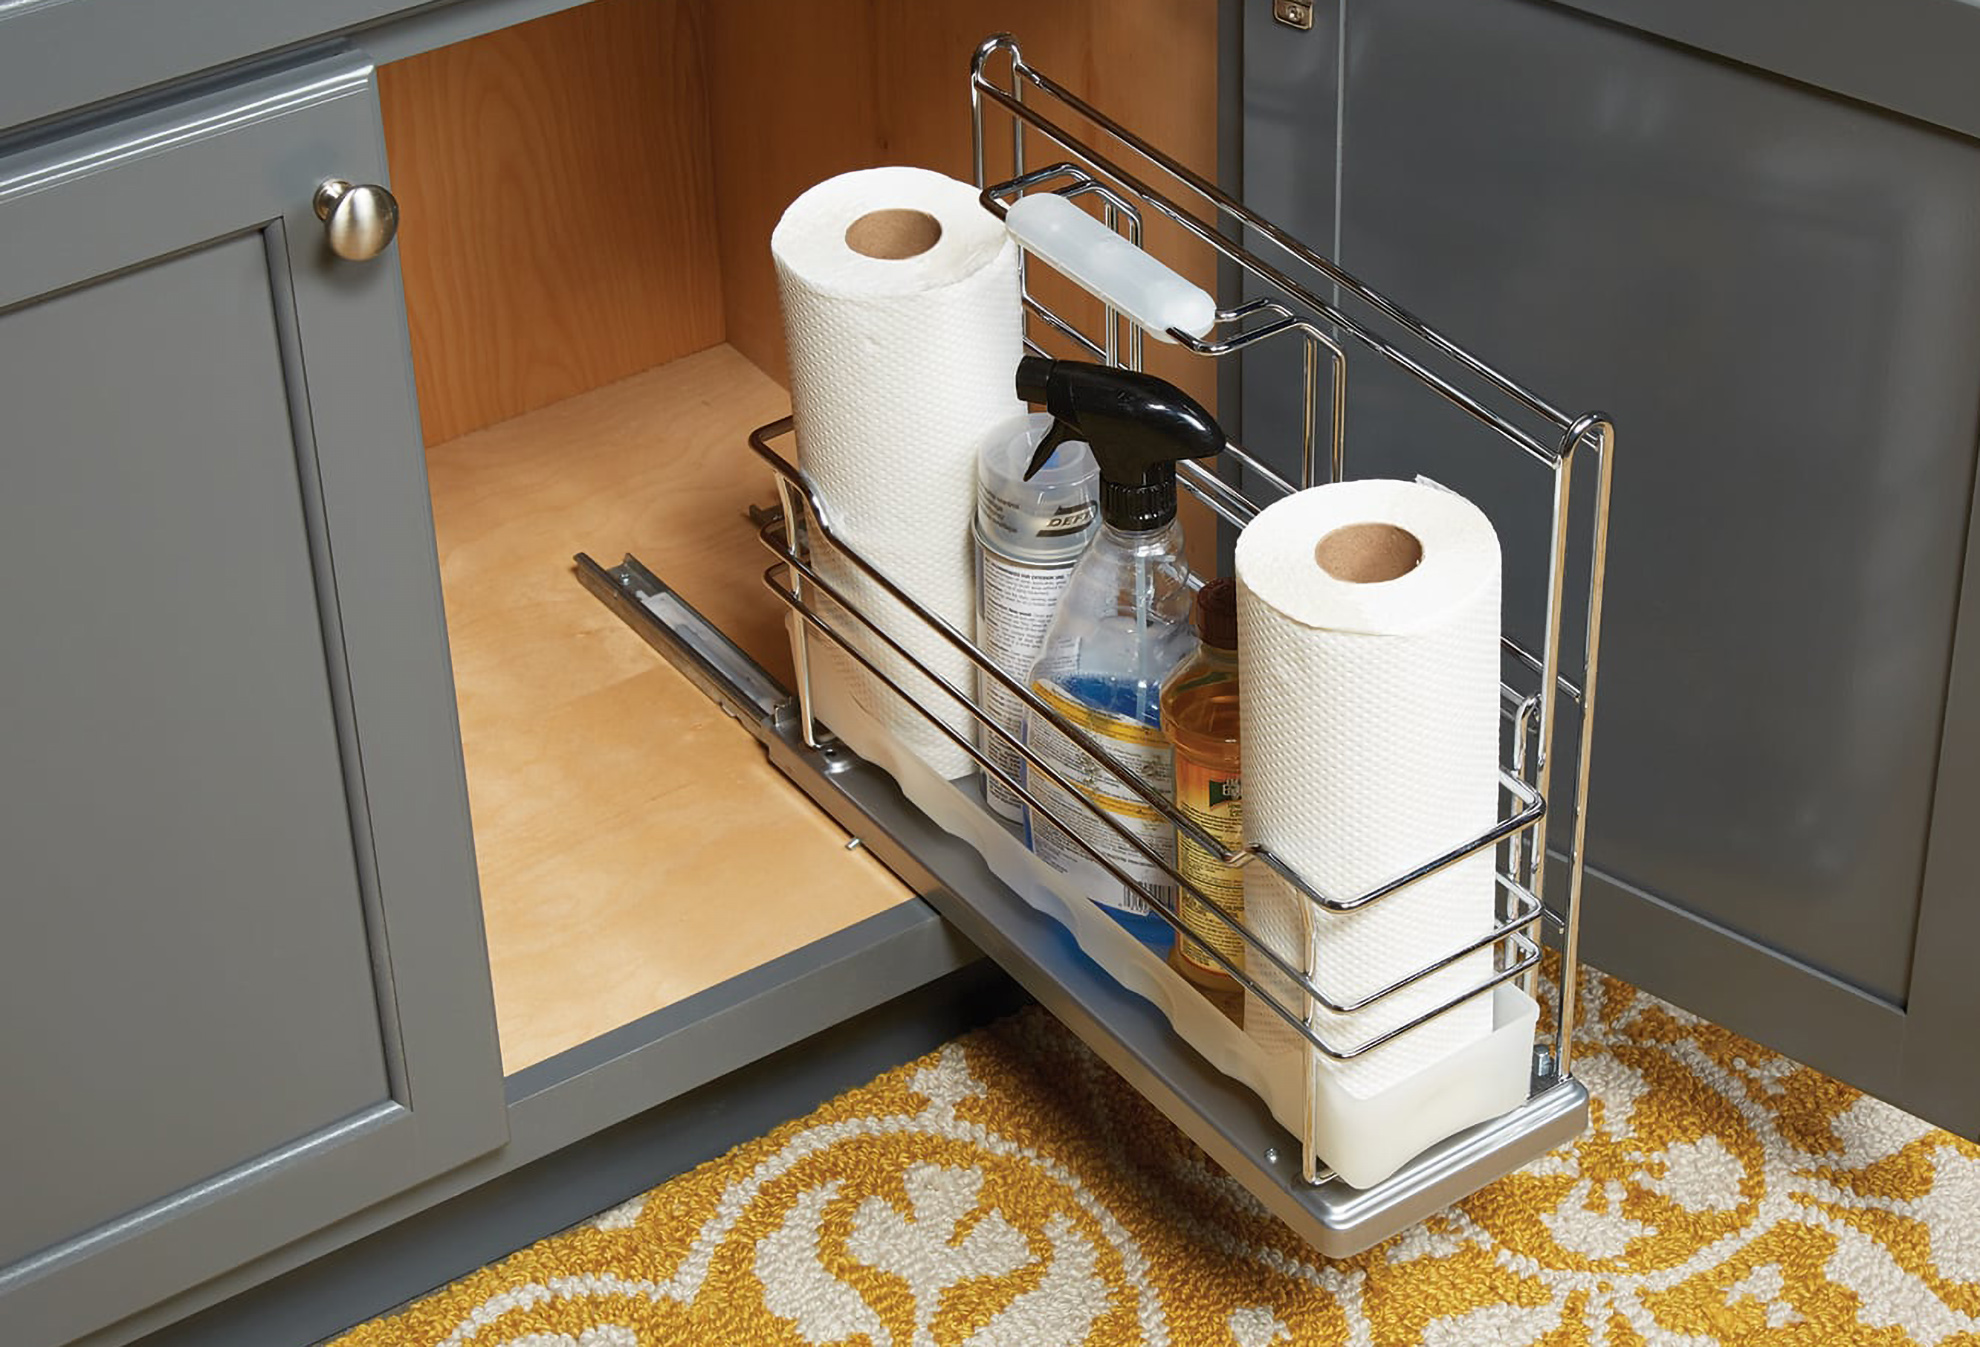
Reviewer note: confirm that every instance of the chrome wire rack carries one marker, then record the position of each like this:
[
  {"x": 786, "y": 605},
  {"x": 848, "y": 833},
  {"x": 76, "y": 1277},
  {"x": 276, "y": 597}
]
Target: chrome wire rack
[{"x": 1542, "y": 690}]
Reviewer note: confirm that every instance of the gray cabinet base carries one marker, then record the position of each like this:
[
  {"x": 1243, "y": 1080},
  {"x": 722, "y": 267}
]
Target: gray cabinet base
[
  {"x": 405, "y": 1260},
  {"x": 695, "y": 1049}
]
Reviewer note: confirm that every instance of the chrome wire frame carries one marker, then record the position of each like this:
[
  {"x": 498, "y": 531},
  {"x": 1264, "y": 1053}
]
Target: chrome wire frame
[
  {"x": 1560, "y": 446},
  {"x": 794, "y": 573},
  {"x": 1520, "y": 836}
]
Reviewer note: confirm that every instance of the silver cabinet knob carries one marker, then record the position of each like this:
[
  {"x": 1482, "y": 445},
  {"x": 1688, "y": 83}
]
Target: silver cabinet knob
[{"x": 359, "y": 219}]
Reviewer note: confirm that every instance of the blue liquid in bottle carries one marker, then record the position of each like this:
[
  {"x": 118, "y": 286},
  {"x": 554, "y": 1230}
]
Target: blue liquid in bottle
[{"x": 1121, "y": 627}]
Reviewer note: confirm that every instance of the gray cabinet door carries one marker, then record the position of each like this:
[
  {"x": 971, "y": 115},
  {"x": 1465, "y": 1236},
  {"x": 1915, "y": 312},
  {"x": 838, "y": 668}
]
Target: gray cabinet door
[
  {"x": 243, "y": 987},
  {"x": 1776, "y": 292}
]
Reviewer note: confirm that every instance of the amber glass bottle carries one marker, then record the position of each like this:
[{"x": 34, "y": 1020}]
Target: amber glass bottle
[{"x": 1200, "y": 717}]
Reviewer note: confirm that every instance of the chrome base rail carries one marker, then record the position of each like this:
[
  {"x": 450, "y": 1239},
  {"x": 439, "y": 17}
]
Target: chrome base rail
[{"x": 1229, "y": 1122}]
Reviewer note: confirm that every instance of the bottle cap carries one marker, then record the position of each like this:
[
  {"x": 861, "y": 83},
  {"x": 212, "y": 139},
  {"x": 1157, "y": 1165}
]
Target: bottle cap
[
  {"x": 1138, "y": 426},
  {"x": 1046, "y": 518},
  {"x": 1216, "y": 613}
]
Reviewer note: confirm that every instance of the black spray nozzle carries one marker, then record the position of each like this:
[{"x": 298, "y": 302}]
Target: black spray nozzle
[{"x": 1138, "y": 426}]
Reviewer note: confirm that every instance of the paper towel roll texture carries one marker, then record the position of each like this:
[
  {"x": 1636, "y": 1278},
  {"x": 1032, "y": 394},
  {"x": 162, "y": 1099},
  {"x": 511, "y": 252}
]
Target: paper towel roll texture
[
  {"x": 899, "y": 364},
  {"x": 1370, "y": 744}
]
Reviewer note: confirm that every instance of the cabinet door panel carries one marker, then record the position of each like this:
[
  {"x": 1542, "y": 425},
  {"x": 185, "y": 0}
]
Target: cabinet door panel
[
  {"x": 183, "y": 841},
  {"x": 243, "y": 990},
  {"x": 1776, "y": 293}
]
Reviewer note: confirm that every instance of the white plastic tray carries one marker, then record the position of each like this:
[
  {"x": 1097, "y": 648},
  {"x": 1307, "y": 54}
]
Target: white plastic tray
[{"x": 1363, "y": 1140}]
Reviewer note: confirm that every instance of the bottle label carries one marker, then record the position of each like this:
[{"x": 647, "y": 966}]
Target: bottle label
[
  {"x": 1141, "y": 749},
  {"x": 1213, "y": 799},
  {"x": 1014, "y": 607},
  {"x": 1003, "y": 515}
]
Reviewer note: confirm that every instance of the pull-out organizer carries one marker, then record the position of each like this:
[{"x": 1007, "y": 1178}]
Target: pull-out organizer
[{"x": 1436, "y": 1136}]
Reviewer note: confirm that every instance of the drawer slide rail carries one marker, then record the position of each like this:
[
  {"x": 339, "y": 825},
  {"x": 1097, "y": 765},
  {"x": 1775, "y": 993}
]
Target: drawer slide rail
[{"x": 1228, "y": 1121}]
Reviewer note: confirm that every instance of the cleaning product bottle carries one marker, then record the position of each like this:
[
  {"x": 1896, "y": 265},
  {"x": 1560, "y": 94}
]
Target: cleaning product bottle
[
  {"x": 1200, "y": 717},
  {"x": 1030, "y": 528},
  {"x": 1122, "y": 625}
]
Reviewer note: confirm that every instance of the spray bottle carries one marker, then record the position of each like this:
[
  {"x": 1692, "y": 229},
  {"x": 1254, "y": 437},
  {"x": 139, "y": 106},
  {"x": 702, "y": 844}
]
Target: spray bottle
[{"x": 1121, "y": 627}]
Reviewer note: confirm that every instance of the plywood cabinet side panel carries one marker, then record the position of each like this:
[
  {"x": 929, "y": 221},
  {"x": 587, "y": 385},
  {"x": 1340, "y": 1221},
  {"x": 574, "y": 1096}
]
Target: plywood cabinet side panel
[
  {"x": 558, "y": 229},
  {"x": 849, "y": 84},
  {"x": 791, "y": 101}
]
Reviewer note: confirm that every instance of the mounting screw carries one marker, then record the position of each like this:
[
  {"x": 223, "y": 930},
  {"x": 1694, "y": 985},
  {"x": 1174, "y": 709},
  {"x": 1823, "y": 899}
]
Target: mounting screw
[
  {"x": 1271, "y": 1155},
  {"x": 1293, "y": 13}
]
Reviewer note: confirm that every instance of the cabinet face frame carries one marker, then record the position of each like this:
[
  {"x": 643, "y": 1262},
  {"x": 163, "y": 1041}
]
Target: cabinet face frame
[
  {"x": 1912, "y": 1049},
  {"x": 111, "y": 47},
  {"x": 243, "y": 162}
]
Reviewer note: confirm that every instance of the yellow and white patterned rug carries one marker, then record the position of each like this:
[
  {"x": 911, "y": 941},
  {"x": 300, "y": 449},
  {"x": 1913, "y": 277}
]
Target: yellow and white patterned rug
[{"x": 1010, "y": 1191}]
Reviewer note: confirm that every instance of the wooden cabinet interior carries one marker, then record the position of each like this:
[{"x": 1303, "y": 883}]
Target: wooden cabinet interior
[{"x": 588, "y": 200}]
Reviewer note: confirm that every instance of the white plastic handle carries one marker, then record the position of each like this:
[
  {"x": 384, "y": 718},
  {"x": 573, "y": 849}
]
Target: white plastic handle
[{"x": 1102, "y": 262}]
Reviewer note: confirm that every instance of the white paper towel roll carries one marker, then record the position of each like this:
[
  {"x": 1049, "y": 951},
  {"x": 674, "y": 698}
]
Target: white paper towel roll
[
  {"x": 903, "y": 320},
  {"x": 1368, "y": 631}
]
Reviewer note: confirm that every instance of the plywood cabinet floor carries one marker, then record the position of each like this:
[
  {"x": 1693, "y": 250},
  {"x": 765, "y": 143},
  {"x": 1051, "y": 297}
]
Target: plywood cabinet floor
[{"x": 634, "y": 845}]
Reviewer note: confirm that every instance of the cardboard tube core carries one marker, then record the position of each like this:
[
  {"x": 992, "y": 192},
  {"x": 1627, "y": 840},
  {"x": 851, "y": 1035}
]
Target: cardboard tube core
[
  {"x": 893, "y": 235},
  {"x": 1368, "y": 554}
]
